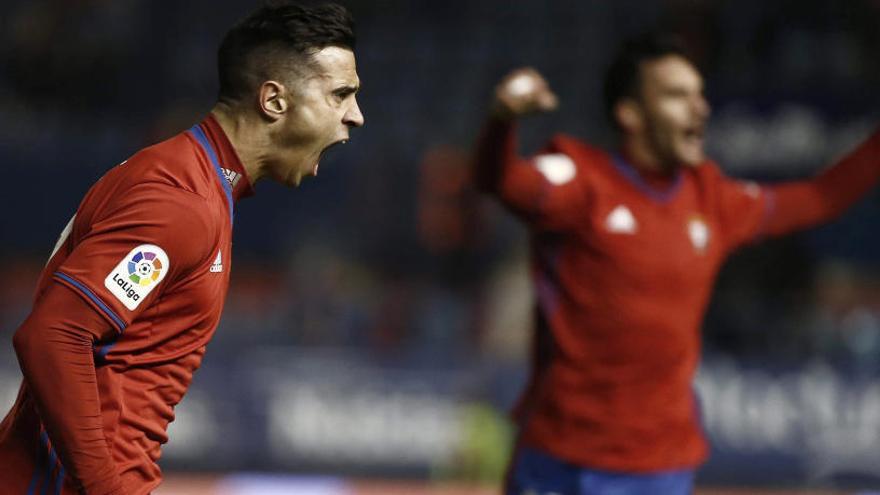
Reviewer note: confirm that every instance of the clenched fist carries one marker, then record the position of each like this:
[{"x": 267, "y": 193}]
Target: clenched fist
[{"x": 522, "y": 92}]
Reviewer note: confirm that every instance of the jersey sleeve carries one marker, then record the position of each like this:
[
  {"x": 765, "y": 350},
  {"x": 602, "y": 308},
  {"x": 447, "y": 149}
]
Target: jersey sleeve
[
  {"x": 743, "y": 207},
  {"x": 135, "y": 247},
  {"x": 544, "y": 190},
  {"x": 54, "y": 349},
  {"x": 750, "y": 211},
  {"x": 807, "y": 203}
]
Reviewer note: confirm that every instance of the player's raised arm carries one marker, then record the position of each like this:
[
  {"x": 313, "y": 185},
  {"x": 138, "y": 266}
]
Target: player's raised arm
[
  {"x": 802, "y": 204},
  {"x": 522, "y": 92},
  {"x": 542, "y": 189},
  {"x": 750, "y": 212}
]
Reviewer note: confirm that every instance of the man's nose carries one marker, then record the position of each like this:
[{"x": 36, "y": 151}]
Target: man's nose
[
  {"x": 702, "y": 107},
  {"x": 353, "y": 117}
]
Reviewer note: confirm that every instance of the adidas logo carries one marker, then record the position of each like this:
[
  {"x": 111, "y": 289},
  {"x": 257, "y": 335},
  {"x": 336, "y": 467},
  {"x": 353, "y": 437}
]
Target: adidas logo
[
  {"x": 231, "y": 176},
  {"x": 621, "y": 221},
  {"x": 217, "y": 266}
]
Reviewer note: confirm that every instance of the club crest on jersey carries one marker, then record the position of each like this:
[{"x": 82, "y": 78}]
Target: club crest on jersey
[
  {"x": 137, "y": 274},
  {"x": 698, "y": 231}
]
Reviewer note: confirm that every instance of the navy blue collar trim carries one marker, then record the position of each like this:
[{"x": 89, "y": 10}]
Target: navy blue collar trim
[
  {"x": 632, "y": 175},
  {"x": 200, "y": 136}
]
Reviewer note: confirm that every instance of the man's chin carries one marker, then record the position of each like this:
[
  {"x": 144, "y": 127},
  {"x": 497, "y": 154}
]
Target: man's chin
[{"x": 691, "y": 159}]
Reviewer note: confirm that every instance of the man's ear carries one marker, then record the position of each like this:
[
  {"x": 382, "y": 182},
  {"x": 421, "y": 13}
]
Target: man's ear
[
  {"x": 273, "y": 100},
  {"x": 629, "y": 115}
]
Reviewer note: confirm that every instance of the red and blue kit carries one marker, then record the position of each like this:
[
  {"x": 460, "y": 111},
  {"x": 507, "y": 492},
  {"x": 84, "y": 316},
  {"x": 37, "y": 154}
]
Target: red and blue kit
[
  {"x": 123, "y": 312},
  {"x": 623, "y": 265}
]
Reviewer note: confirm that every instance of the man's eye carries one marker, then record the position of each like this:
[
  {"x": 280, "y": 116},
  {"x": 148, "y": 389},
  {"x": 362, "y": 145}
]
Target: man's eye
[{"x": 343, "y": 93}]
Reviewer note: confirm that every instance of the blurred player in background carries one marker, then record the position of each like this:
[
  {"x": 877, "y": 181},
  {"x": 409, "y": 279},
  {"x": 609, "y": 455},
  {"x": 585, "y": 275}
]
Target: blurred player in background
[
  {"x": 135, "y": 286},
  {"x": 625, "y": 249}
]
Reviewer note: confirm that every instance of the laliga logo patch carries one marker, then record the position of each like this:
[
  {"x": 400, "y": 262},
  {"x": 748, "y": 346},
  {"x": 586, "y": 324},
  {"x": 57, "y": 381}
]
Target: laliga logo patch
[
  {"x": 138, "y": 273},
  {"x": 698, "y": 231}
]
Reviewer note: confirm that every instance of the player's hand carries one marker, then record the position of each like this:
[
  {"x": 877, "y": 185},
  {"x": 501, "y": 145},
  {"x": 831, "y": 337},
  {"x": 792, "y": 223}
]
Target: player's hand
[{"x": 522, "y": 92}]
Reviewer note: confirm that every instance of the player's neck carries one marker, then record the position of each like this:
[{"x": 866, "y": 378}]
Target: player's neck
[
  {"x": 248, "y": 144},
  {"x": 640, "y": 154}
]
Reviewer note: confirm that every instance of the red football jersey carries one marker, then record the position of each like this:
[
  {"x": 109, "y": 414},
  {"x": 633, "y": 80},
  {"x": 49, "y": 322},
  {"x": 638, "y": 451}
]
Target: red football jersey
[
  {"x": 623, "y": 267},
  {"x": 149, "y": 249}
]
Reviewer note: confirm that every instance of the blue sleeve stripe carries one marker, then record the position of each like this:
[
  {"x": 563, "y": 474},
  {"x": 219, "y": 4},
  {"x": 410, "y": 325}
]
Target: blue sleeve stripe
[
  {"x": 102, "y": 353},
  {"x": 59, "y": 481},
  {"x": 199, "y": 134},
  {"x": 46, "y": 462},
  {"x": 120, "y": 324},
  {"x": 32, "y": 487},
  {"x": 50, "y": 466}
]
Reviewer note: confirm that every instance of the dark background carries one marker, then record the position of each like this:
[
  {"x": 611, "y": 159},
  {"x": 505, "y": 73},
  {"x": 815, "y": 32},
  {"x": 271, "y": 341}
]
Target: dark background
[{"x": 388, "y": 274}]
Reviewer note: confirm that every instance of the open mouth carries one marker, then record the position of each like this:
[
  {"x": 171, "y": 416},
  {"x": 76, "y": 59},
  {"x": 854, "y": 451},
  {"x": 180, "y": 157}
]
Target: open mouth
[
  {"x": 332, "y": 145},
  {"x": 324, "y": 152},
  {"x": 694, "y": 134}
]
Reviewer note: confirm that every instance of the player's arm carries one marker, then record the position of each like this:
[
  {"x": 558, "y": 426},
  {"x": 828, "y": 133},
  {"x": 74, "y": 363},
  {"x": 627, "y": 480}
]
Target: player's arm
[
  {"x": 749, "y": 211},
  {"x": 802, "y": 204},
  {"x": 498, "y": 168},
  {"x": 54, "y": 346}
]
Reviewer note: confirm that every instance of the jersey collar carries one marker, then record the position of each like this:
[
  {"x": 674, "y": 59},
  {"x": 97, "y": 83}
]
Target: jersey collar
[
  {"x": 229, "y": 162},
  {"x": 659, "y": 194}
]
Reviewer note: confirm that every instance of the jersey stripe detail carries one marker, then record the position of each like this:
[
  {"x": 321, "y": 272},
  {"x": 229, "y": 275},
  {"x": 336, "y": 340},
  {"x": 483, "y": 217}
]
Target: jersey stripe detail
[
  {"x": 199, "y": 134},
  {"x": 59, "y": 481},
  {"x": 119, "y": 323},
  {"x": 47, "y": 452},
  {"x": 104, "y": 350},
  {"x": 50, "y": 466},
  {"x": 37, "y": 468}
]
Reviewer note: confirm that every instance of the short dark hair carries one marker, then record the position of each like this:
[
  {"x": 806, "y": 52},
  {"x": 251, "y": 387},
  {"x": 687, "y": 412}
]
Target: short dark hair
[
  {"x": 279, "y": 35},
  {"x": 623, "y": 78}
]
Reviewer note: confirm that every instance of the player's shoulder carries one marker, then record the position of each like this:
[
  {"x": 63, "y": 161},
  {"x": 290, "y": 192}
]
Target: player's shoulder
[
  {"x": 173, "y": 163},
  {"x": 581, "y": 152},
  {"x": 162, "y": 181},
  {"x": 708, "y": 171},
  {"x": 567, "y": 157},
  {"x": 582, "y": 155}
]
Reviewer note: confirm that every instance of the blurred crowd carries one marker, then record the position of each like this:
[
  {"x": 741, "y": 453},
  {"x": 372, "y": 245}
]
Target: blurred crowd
[{"x": 390, "y": 250}]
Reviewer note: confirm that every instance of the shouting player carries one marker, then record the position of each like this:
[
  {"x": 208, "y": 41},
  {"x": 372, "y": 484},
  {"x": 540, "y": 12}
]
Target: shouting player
[
  {"x": 135, "y": 286},
  {"x": 626, "y": 245}
]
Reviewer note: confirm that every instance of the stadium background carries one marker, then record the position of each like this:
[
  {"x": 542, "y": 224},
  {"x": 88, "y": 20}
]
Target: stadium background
[{"x": 376, "y": 324}]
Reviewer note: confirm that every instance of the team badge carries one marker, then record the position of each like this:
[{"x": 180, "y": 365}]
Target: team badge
[
  {"x": 621, "y": 221},
  {"x": 698, "y": 231},
  {"x": 137, "y": 274}
]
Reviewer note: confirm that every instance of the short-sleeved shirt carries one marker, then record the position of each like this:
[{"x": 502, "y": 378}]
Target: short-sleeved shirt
[
  {"x": 623, "y": 270},
  {"x": 149, "y": 248}
]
